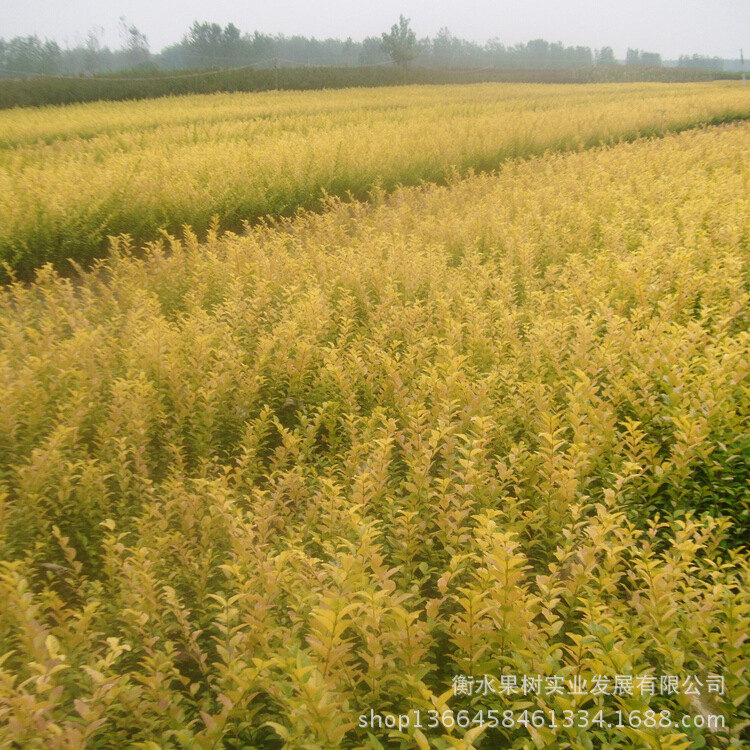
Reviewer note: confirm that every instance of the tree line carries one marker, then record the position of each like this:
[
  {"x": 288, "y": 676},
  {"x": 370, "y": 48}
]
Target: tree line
[{"x": 209, "y": 45}]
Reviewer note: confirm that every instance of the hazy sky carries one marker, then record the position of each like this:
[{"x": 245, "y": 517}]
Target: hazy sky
[{"x": 671, "y": 27}]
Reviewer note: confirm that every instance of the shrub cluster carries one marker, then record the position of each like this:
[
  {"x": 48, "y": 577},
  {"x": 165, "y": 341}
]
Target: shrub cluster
[
  {"x": 71, "y": 177},
  {"x": 132, "y": 85},
  {"x": 254, "y": 488}
]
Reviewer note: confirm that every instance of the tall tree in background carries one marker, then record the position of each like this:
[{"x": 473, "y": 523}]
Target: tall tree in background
[
  {"x": 651, "y": 59},
  {"x": 94, "y": 49},
  {"x": 134, "y": 44},
  {"x": 605, "y": 56},
  {"x": 643, "y": 59},
  {"x": 633, "y": 57},
  {"x": 401, "y": 43}
]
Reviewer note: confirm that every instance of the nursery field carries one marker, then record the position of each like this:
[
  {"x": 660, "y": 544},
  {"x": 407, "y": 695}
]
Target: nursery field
[
  {"x": 462, "y": 465},
  {"x": 71, "y": 176}
]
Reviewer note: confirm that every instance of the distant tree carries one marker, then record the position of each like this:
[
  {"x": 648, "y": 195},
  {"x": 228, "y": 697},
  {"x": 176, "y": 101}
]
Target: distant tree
[
  {"x": 205, "y": 34},
  {"x": 134, "y": 43},
  {"x": 232, "y": 46},
  {"x": 263, "y": 47},
  {"x": 401, "y": 43},
  {"x": 94, "y": 49},
  {"x": 371, "y": 51},
  {"x": 207, "y": 44},
  {"x": 348, "y": 52},
  {"x": 633, "y": 57},
  {"x": 582, "y": 56},
  {"x": 203, "y": 42},
  {"x": 605, "y": 56},
  {"x": 701, "y": 62},
  {"x": 499, "y": 55},
  {"x": 230, "y": 34},
  {"x": 538, "y": 52},
  {"x": 644, "y": 59},
  {"x": 651, "y": 59},
  {"x": 29, "y": 55}
]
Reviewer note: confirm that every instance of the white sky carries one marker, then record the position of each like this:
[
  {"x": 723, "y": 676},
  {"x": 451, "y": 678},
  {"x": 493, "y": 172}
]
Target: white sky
[{"x": 671, "y": 27}]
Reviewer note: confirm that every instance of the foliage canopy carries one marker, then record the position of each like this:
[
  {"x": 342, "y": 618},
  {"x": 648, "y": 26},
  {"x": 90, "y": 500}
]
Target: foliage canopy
[{"x": 401, "y": 43}]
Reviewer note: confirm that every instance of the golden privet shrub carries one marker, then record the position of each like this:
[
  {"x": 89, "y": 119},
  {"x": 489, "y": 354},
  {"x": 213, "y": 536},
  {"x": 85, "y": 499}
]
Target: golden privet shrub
[
  {"x": 254, "y": 488},
  {"x": 72, "y": 176}
]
